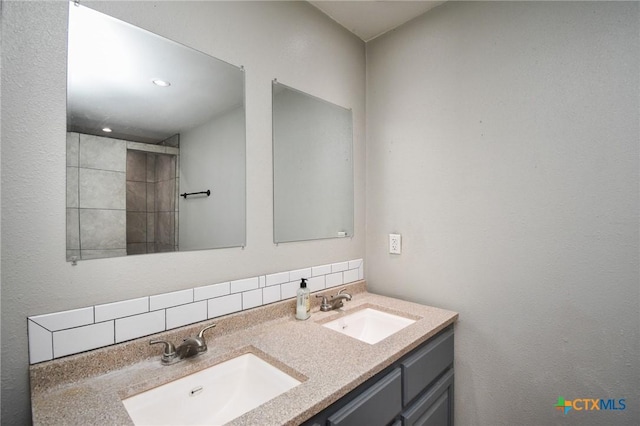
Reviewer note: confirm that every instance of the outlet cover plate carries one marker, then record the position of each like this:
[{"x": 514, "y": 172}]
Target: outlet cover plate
[{"x": 395, "y": 243}]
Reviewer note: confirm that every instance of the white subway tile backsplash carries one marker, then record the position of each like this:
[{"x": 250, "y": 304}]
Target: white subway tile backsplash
[
  {"x": 333, "y": 280},
  {"x": 80, "y": 339},
  {"x": 271, "y": 294},
  {"x": 224, "y": 305},
  {"x": 251, "y": 299},
  {"x": 65, "y": 319},
  {"x": 168, "y": 300},
  {"x": 65, "y": 333},
  {"x": 186, "y": 314},
  {"x": 350, "y": 276},
  {"x": 316, "y": 283},
  {"x": 298, "y": 274},
  {"x": 320, "y": 270},
  {"x": 140, "y": 325},
  {"x": 355, "y": 264},
  {"x": 121, "y": 309},
  {"x": 245, "y": 285},
  {"x": 211, "y": 291},
  {"x": 273, "y": 279},
  {"x": 339, "y": 267},
  {"x": 40, "y": 343},
  {"x": 288, "y": 290}
]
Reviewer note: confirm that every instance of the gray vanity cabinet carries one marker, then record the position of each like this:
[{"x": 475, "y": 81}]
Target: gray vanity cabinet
[
  {"x": 377, "y": 404},
  {"x": 435, "y": 407},
  {"x": 416, "y": 390}
]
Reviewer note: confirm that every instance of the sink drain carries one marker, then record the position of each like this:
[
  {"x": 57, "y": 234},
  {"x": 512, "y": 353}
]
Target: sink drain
[{"x": 196, "y": 391}]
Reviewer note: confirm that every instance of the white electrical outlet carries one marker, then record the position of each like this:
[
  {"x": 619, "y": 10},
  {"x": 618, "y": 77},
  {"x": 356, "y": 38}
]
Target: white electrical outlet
[{"x": 395, "y": 243}]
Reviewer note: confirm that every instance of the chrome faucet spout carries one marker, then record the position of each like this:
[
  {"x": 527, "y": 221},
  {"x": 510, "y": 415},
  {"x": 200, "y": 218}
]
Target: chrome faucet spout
[
  {"x": 193, "y": 345},
  {"x": 335, "y": 302},
  {"x": 190, "y": 347}
]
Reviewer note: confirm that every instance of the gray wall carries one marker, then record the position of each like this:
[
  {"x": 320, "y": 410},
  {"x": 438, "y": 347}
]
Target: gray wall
[
  {"x": 290, "y": 41},
  {"x": 502, "y": 143}
]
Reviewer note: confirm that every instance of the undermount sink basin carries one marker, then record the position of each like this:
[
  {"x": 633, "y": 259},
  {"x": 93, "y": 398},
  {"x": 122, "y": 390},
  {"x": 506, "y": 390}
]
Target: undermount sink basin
[
  {"x": 369, "y": 325},
  {"x": 213, "y": 396}
]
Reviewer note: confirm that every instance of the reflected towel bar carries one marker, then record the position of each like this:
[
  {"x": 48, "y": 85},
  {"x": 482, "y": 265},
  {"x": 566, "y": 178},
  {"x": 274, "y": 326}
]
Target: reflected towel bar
[{"x": 185, "y": 195}]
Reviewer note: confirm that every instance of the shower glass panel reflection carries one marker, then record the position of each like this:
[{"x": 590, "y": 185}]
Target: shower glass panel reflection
[{"x": 152, "y": 215}]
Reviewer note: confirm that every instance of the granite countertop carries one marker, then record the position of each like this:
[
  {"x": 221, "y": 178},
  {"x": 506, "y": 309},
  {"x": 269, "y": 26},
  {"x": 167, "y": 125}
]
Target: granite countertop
[{"x": 88, "y": 388}]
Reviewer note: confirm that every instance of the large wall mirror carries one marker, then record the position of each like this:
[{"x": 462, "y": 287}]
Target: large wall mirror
[
  {"x": 149, "y": 119},
  {"x": 312, "y": 167}
]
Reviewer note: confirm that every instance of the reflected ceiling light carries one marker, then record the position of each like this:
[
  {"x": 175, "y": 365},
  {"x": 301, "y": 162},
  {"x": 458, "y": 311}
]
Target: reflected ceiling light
[
  {"x": 106, "y": 129},
  {"x": 161, "y": 83}
]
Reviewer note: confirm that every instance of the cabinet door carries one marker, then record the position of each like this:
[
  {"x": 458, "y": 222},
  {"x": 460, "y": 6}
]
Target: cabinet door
[
  {"x": 377, "y": 405},
  {"x": 425, "y": 365},
  {"x": 435, "y": 407}
]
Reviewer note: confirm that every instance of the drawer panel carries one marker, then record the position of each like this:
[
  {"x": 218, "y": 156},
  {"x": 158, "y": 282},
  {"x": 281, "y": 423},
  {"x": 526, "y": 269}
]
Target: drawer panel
[
  {"x": 438, "y": 414},
  {"x": 420, "y": 369},
  {"x": 378, "y": 405},
  {"x": 434, "y": 407}
]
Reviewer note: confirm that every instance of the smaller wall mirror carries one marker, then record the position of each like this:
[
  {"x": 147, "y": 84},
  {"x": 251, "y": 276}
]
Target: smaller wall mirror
[
  {"x": 312, "y": 167},
  {"x": 155, "y": 143}
]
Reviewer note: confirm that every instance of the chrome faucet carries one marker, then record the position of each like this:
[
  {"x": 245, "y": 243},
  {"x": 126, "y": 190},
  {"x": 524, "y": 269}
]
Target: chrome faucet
[
  {"x": 193, "y": 345},
  {"x": 335, "y": 302},
  {"x": 169, "y": 353},
  {"x": 190, "y": 347}
]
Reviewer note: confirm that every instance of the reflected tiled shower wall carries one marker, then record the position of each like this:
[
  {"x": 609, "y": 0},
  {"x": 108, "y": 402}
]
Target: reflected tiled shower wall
[
  {"x": 95, "y": 196},
  {"x": 99, "y": 223},
  {"x": 151, "y": 202}
]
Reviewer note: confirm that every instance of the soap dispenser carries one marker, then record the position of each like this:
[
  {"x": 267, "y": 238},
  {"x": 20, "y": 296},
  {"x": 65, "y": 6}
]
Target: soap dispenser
[{"x": 302, "y": 301}]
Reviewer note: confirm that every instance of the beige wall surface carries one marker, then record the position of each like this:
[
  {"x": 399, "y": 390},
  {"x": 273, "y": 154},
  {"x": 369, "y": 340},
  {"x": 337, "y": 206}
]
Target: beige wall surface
[
  {"x": 290, "y": 41},
  {"x": 503, "y": 144}
]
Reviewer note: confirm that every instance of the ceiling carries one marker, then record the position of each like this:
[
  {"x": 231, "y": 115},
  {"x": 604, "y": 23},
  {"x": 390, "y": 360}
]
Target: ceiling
[
  {"x": 112, "y": 66},
  {"x": 369, "y": 19}
]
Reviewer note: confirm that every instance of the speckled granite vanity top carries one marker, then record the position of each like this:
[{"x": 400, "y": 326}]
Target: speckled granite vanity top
[{"x": 88, "y": 388}]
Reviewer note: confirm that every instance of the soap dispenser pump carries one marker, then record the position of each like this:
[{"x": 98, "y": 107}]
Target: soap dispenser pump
[{"x": 302, "y": 301}]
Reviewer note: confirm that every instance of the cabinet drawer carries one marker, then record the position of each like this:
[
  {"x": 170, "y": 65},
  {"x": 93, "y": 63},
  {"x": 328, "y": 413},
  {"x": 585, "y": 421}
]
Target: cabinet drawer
[
  {"x": 434, "y": 408},
  {"x": 421, "y": 368},
  {"x": 378, "y": 405}
]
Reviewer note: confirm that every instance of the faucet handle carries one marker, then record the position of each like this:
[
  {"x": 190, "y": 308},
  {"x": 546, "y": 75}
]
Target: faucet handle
[
  {"x": 201, "y": 334},
  {"x": 324, "y": 299},
  {"x": 324, "y": 305},
  {"x": 201, "y": 343},
  {"x": 169, "y": 352}
]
